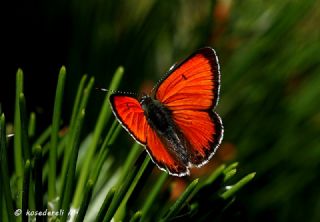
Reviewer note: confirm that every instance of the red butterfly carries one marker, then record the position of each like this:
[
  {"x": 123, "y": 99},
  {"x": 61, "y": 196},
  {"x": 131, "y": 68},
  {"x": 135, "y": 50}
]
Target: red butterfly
[{"x": 177, "y": 124}]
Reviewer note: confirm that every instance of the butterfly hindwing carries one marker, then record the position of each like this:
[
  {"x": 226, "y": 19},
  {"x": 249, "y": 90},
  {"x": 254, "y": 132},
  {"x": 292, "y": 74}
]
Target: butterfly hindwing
[
  {"x": 203, "y": 131},
  {"x": 190, "y": 91},
  {"x": 130, "y": 114},
  {"x": 161, "y": 155}
]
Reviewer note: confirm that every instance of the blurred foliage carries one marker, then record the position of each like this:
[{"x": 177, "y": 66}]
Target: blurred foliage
[{"x": 270, "y": 64}]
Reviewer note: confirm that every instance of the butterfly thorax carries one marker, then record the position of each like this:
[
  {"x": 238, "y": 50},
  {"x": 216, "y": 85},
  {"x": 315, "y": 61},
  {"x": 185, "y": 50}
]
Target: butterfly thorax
[{"x": 158, "y": 116}]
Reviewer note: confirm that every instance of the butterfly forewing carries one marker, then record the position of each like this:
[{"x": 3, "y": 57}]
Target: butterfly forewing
[
  {"x": 130, "y": 114},
  {"x": 194, "y": 84},
  {"x": 190, "y": 92}
]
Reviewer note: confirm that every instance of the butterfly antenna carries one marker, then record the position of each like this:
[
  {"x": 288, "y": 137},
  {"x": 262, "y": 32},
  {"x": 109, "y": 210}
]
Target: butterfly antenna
[{"x": 105, "y": 90}]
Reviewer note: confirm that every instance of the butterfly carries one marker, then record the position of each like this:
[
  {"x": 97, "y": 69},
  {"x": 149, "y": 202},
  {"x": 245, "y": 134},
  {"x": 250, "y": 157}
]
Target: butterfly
[{"x": 176, "y": 123}]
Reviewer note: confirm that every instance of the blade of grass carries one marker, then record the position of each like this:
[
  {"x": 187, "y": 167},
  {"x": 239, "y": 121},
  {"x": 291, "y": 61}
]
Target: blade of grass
[
  {"x": 38, "y": 163},
  {"x": 215, "y": 174},
  {"x": 25, "y": 195},
  {"x": 122, "y": 207},
  {"x": 18, "y": 158},
  {"x": 5, "y": 179},
  {"x": 229, "y": 175},
  {"x": 85, "y": 203},
  {"x": 32, "y": 125},
  {"x": 153, "y": 194},
  {"x": 135, "y": 150},
  {"x": 236, "y": 187},
  {"x": 112, "y": 134},
  {"x": 24, "y": 127},
  {"x": 42, "y": 138},
  {"x": 230, "y": 167},
  {"x": 136, "y": 217},
  {"x": 54, "y": 135},
  {"x": 106, "y": 204},
  {"x": 70, "y": 176},
  {"x": 76, "y": 105},
  {"x": 136, "y": 171},
  {"x": 101, "y": 122},
  {"x": 72, "y": 133},
  {"x": 175, "y": 208}
]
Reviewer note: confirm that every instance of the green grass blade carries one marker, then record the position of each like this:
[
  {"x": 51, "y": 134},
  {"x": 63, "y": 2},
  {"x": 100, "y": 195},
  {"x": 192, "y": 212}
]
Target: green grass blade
[
  {"x": 42, "y": 138},
  {"x": 80, "y": 103},
  {"x": 76, "y": 105},
  {"x": 70, "y": 178},
  {"x": 135, "y": 150},
  {"x": 24, "y": 128},
  {"x": 104, "y": 115},
  {"x": 54, "y": 135},
  {"x": 231, "y": 167},
  {"x": 72, "y": 133},
  {"x": 153, "y": 194},
  {"x": 229, "y": 175},
  {"x": 236, "y": 187},
  {"x": 25, "y": 195},
  {"x": 135, "y": 172},
  {"x": 37, "y": 171},
  {"x": 32, "y": 125},
  {"x": 137, "y": 217},
  {"x": 106, "y": 204},
  {"x": 212, "y": 177},
  {"x": 5, "y": 178},
  {"x": 18, "y": 156},
  {"x": 175, "y": 208},
  {"x": 112, "y": 134},
  {"x": 122, "y": 208},
  {"x": 85, "y": 203}
]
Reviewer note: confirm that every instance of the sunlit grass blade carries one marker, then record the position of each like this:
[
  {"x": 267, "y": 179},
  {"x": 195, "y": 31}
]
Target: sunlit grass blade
[
  {"x": 136, "y": 171},
  {"x": 236, "y": 187},
  {"x": 136, "y": 217},
  {"x": 104, "y": 115},
  {"x": 70, "y": 178},
  {"x": 32, "y": 125},
  {"x": 81, "y": 102},
  {"x": 18, "y": 155},
  {"x": 38, "y": 163},
  {"x": 135, "y": 150},
  {"x": 25, "y": 194},
  {"x": 175, "y": 208},
  {"x": 54, "y": 135},
  {"x": 213, "y": 176},
  {"x": 24, "y": 127},
  {"x": 122, "y": 207},
  {"x": 76, "y": 105},
  {"x": 111, "y": 136},
  {"x": 85, "y": 202},
  {"x": 153, "y": 194},
  {"x": 5, "y": 178},
  {"x": 106, "y": 204},
  {"x": 229, "y": 175},
  {"x": 44, "y": 136}
]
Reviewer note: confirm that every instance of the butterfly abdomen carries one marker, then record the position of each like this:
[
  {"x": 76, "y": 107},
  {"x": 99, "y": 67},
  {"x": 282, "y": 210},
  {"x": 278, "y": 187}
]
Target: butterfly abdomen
[{"x": 160, "y": 119}]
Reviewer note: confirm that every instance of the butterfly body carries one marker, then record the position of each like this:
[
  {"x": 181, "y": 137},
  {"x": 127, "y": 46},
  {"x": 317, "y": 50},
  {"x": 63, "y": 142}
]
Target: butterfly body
[
  {"x": 159, "y": 118},
  {"x": 177, "y": 124}
]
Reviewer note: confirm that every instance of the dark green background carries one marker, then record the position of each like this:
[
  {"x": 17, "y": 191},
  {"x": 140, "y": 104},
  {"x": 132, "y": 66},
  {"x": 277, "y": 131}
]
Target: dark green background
[{"x": 269, "y": 53}]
